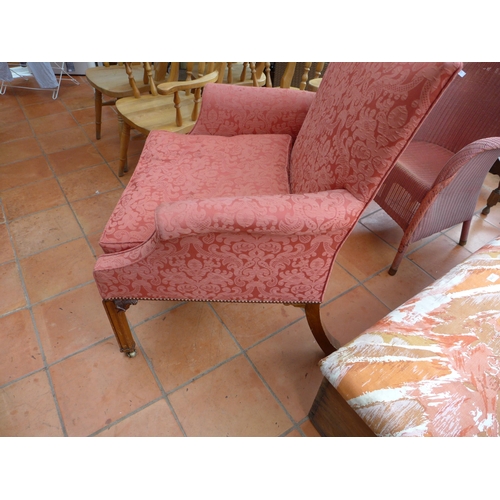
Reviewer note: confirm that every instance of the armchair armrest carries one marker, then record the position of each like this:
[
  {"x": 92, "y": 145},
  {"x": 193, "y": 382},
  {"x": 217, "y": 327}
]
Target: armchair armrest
[
  {"x": 285, "y": 215},
  {"x": 213, "y": 249},
  {"x": 232, "y": 110},
  {"x": 172, "y": 87}
]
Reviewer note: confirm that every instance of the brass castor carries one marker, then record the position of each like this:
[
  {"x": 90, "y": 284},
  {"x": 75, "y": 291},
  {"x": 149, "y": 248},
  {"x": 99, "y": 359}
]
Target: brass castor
[{"x": 132, "y": 354}]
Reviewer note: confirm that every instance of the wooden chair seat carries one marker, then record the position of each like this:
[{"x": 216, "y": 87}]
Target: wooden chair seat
[
  {"x": 156, "y": 113},
  {"x": 113, "y": 80}
]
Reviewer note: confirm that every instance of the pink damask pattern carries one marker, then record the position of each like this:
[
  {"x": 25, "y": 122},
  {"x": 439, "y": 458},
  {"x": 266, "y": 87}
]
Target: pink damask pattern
[
  {"x": 210, "y": 217},
  {"x": 432, "y": 366},
  {"x": 273, "y": 248},
  {"x": 360, "y": 122},
  {"x": 176, "y": 167},
  {"x": 232, "y": 110}
]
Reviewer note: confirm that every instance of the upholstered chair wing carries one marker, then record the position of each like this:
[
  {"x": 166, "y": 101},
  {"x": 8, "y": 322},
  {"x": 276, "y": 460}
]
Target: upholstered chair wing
[{"x": 254, "y": 204}]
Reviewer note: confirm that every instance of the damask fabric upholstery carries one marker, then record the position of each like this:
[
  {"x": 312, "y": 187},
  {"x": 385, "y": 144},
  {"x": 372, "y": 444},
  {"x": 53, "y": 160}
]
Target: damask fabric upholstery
[
  {"x": 254, "y": 236},
  {"x": 177, "y": 167},
  {"x": 432, "y": 366},
  {"x": 354, "y": 132},
  {"x": 247, "y": 110}
]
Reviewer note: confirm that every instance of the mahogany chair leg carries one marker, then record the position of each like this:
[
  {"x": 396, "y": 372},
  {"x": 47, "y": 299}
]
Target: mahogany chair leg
[
  {"x": 493, "y": 199},
  {"x": 318, "y": 330},
  {"x": 332, "y": 416},
  {"x": 98, "y": 113},
  {"x": 115, "y": 309},
  {"x": 124, "y": 140},
  {"x": 465, "y": 232}
]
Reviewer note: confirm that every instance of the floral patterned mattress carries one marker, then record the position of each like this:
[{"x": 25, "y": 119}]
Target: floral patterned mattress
[{"x": 431, "y": 367}]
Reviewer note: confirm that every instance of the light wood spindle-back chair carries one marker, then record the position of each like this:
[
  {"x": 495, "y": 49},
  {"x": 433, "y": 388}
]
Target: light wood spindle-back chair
[
  {"x": 298, "y": 75},
  {"x": 112, "y": 81}
]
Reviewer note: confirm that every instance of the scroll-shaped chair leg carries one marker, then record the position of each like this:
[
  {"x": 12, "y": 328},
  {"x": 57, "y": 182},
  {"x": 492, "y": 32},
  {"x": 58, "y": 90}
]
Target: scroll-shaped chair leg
[
  {"x": 318, "y": 330},
  {"x": 115, "y": 309},
  {"x": 493, "y": 199}
]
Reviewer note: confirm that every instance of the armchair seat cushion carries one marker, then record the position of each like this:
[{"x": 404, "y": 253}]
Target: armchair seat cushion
[{"x": 176, "y": 167}]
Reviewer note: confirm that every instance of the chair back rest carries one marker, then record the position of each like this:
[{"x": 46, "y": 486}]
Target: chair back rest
[
  {"x": 469, "y": 109},
  {"x": 362, "y": 118},
  {"x": 297, "y": 74},
  {"x": 255, "y": 74}
]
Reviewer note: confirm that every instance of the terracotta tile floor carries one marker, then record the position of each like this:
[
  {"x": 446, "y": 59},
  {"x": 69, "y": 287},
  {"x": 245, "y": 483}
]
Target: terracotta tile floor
[{"x": 201, "y": 369}]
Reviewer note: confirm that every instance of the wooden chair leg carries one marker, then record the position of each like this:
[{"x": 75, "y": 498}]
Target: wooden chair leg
[
  {"x": 115, "y": 309},
  {"x": 332, "y": 416},
  {"x": 124, "y": 140},
  {"x": 98, "y": 113},
  {"x": 318, "y": 330},
  {"x": 493, "y": 199}
]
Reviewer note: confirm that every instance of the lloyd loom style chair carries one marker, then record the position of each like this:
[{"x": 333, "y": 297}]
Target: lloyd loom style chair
[
  {"x": 254, "y": 204},
  {"x": 436, "y": 181}
]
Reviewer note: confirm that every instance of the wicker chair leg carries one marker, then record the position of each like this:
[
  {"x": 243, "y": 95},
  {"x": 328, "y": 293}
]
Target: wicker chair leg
[
  {"x": 465, "y": 232},
  {"x": 397, "y": 261},
  {"x": 115, "y": 309}
]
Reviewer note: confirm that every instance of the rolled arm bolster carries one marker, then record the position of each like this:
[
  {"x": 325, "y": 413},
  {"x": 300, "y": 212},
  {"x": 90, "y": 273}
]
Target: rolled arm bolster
[
  {"x": 291, "y": 215},
  {"x": 229, "y": 110}
]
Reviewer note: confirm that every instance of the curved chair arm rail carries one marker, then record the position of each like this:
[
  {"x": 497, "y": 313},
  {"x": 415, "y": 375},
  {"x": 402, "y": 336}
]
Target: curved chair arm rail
[
  {"x": 171, "y": 87},
  {"x": 461, "y": 179}
]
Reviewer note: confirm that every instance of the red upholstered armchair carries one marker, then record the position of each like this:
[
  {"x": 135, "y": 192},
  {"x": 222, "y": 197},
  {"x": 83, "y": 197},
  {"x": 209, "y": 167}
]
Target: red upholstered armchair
[
  {"x": 436, "y": 181},
  {"x": 254, "y": 204}
]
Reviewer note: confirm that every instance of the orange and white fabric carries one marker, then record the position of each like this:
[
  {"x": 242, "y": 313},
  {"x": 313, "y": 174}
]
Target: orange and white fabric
[{"x": 431, "y": 367}]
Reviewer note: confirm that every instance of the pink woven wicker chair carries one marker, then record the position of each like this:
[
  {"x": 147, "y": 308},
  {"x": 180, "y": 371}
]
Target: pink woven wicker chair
[
  {"x": 254, "y": 204},
  {"x": 436, "y": 181}
]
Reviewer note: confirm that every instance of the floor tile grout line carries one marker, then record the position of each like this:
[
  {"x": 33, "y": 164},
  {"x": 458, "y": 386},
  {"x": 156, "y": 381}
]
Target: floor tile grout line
[
  {"x": 35, "y": 328},
  {"x": 157, "y": 315},
  {"x": 125, "y": 417},
  {"x": 29, "y": 305},
  {"x": 247, "y": 357},
  {"x": 61, "y": 360},
  {"x": 164, "y": 393},
  {"x": 203, "y": 373},
  {"x": 45, "y": 155},
  {"x": 273, "y": 394}
]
